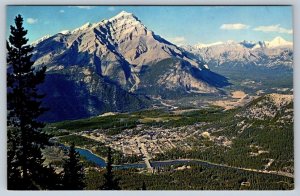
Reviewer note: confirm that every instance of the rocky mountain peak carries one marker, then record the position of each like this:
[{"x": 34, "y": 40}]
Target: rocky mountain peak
[
  {"x": 278, "y": 42},
  {"x": 123, "y": 15},
  {"x": 83, "y": 27},
  {"x": 34, "y": 43}
]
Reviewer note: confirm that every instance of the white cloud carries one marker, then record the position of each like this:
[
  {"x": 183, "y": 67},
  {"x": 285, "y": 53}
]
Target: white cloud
[
  {"x": 178, "y": 40},
  {"x": 85, "y": 7},
  {"x": 31, "y": 20},
  {"x": 61, "y": 11},
  {"x": 236, "y": 26},
  {"x": 273, "y": 28},
  {"x": 111, "y": 8}
]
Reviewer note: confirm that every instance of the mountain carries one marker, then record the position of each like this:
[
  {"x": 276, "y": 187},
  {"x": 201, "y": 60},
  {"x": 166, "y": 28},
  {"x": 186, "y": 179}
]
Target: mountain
[
  {"x": 270, "y": 106},
  {"x": 250, "y": 65},
  {"x": 272, "y": 54},
  {"x": 79, "y": 93},
  {"x": 279, "y": 42},
  {"x": 260, "y": 135},
  {"x": 201, "y": 45},
  {"x": 98, "y": 66},
  {"x": 40, "y": 40}
]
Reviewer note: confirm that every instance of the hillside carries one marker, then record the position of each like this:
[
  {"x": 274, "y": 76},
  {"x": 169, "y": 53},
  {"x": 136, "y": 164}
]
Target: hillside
[{"x": 258, "y": 135}]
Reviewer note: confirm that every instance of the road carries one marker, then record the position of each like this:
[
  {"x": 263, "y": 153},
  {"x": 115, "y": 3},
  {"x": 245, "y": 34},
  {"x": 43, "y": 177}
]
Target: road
[
  {"x": 290, "y": 175},
  {"x": 146, "y": 155}
]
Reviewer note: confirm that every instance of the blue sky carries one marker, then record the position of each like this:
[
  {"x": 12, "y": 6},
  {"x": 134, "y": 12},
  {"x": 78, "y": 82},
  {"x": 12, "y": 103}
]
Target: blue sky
[{"x": 179, "y": 24}]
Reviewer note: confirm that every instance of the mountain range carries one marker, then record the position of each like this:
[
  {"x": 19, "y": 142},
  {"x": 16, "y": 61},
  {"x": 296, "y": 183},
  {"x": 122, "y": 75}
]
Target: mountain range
[
  {"x": 119, "y": 65},
  {"x": 277, "y": 53},
  {"x": 116, "y": 65}
]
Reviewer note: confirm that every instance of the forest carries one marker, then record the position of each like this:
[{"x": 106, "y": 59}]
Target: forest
[{"x": 195, "y": 178}]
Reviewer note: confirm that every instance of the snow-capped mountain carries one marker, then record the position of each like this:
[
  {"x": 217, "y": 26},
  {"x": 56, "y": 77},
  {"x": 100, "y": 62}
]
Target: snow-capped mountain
[
  {"x": 201, "y": 45},
  {"x": 34, "y": 43},
  {"x": 275, "y": 53},
  {"x": 121, "y": 53},
  {"x": 121, "y": 49},
  {"x": 278, "y": 42}
]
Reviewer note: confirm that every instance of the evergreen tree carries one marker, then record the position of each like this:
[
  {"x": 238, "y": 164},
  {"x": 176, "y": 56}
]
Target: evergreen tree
[
  {"x": 110, "y": 183},
  {"x": 24, "y": 107},
  {"x": 144, "y": 186},
  {"x": 73, "y": 174},
  {"x": 49, "y": 179},
  {"x": 13, "y": 172}
]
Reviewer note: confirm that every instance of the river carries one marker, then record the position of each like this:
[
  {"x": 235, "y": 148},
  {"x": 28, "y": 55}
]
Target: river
[
  {"x": 88, "y": 155},
  {"x": 155, "y": 164}
]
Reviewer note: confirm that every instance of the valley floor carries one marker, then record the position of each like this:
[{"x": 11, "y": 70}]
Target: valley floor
[{"x": 255, "y": 140}]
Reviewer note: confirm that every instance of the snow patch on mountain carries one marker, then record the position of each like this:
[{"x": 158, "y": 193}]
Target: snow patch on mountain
[
  {"x": 34, "y": 43},
  {"x": 202, "y": 45},
  {"x": 65, "y": 32},
  {"x": 86, "y": 26}
]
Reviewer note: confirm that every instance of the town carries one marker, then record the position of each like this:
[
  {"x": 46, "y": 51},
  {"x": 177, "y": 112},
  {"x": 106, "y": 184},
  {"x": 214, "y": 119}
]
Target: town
[{"x": 151, "y": 141}]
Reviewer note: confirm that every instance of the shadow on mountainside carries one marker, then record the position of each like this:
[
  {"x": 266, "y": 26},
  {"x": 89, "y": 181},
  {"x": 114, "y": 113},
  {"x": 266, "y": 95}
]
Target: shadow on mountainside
[{"x": 210, "y": 77}]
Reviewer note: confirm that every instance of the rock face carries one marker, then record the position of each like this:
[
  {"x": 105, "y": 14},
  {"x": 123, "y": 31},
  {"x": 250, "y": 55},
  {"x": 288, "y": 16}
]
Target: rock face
[
  {"x": 271, "y": 54},
  {"x": 270, "y": 106},
  {"x": 117, "y": 59}
]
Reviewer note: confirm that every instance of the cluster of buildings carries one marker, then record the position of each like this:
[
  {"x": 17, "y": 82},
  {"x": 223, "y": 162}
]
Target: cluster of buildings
[{"x": 146, "y": 141}]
